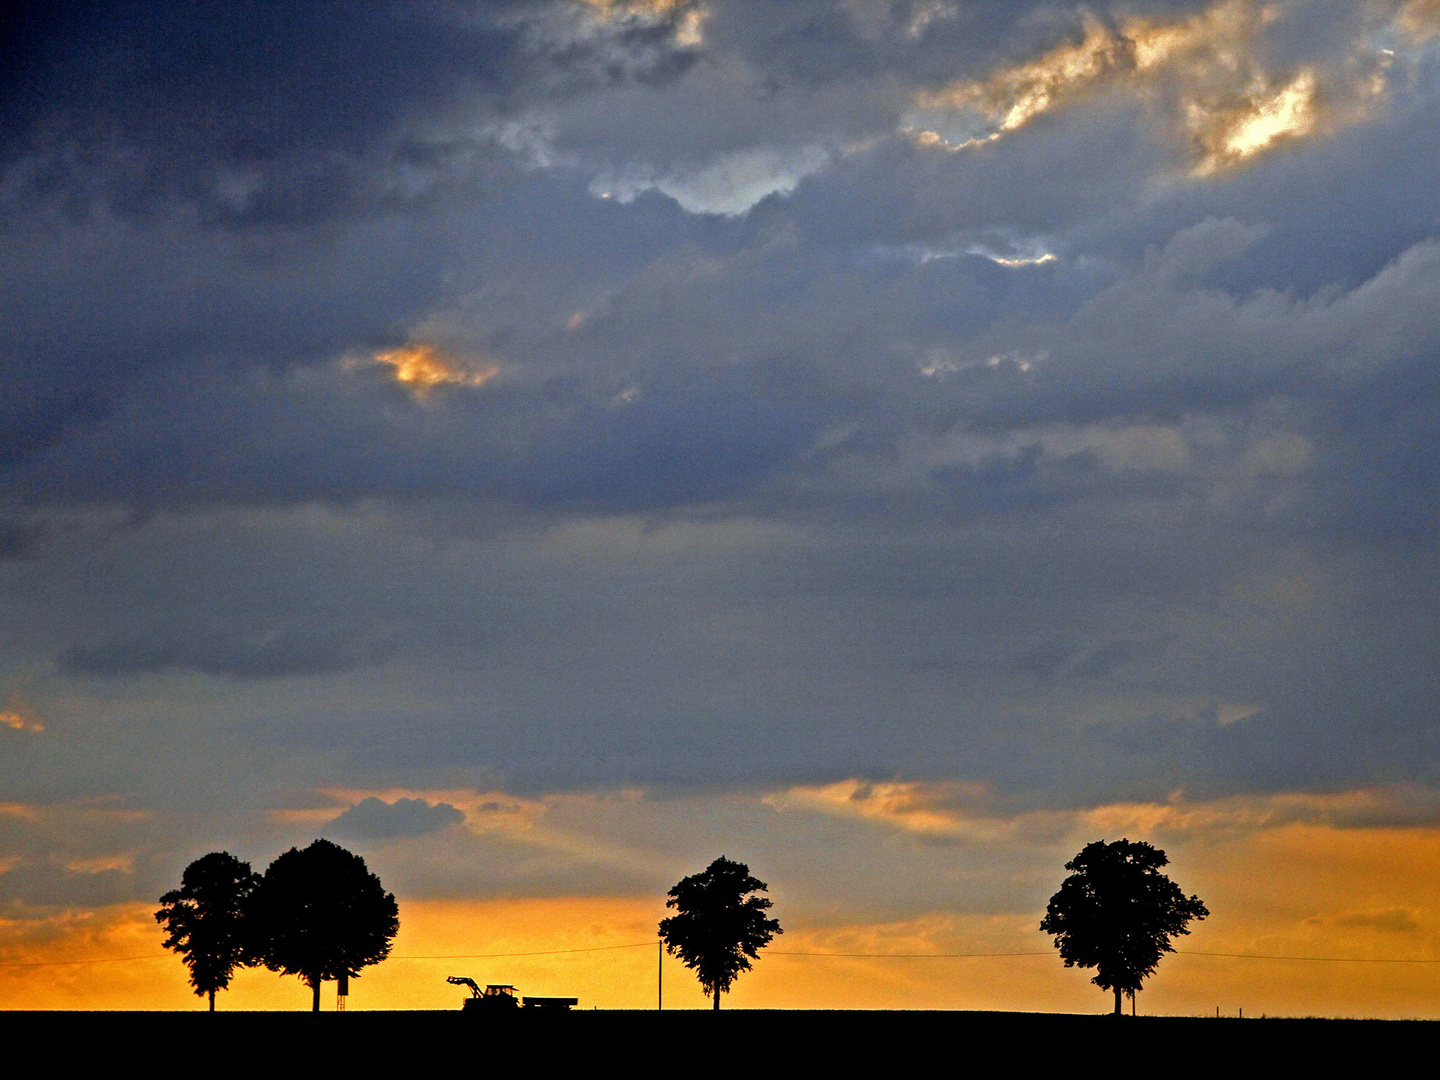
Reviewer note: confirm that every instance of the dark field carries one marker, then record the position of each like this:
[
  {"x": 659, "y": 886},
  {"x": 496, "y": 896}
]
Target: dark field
[{"x": 736, "y": 1042}]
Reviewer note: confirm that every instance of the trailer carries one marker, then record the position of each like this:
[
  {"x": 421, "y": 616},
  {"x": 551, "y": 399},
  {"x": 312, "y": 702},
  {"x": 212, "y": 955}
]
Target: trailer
[{"x": 502, "y": 998}]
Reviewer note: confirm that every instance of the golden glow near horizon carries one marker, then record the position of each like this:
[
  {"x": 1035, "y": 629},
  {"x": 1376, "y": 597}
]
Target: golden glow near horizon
[
  {"x": 1204, "y": 75},
  {"x": 1297, "y": 875},
  {"x": 423, "y": 367}
]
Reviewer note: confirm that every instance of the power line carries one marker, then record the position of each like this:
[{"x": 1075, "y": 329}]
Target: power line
[
  {"x": 910, "y": 956},
  {"x": 67, "y": 963},
  {"x": 1178, "y": 952},
  {"x": 1320, "y": 959}
]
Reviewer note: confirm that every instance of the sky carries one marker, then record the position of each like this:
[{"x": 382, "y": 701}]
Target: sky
[{"x": 546, "y": 445}]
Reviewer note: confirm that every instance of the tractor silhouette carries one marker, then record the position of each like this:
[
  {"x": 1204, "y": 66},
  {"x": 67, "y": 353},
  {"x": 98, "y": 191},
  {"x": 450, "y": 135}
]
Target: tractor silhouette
[{"x": 501, "y": 998}]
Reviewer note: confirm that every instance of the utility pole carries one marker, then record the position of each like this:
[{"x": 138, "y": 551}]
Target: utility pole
[{"x": 659, "y": 976}]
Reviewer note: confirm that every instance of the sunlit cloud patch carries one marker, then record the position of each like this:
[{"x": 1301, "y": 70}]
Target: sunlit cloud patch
[
  {"x": 20, "y": 721},
  {"x": 424, "y": 367},
  {"x": 1205, "y": 76}
]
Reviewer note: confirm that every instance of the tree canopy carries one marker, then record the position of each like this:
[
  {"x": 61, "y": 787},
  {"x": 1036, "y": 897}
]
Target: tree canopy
[
  {"x": 1117, "y": 913},
  {"x": 205, "y": 920},
  {"x": 719, "y": 924},
  {"x": 321, "y": 914}
]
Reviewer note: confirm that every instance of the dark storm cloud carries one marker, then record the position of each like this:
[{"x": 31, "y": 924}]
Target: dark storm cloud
[
  {"x": 155, "y": 101},
  {"x": 174, "y": 303},
  {"x": 815, "y": 449},
  {"x": 261, "y": 116}
]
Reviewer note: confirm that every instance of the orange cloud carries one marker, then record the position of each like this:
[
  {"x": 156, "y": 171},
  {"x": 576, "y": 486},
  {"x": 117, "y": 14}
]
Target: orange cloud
[
  {"x": 100, "y": 864},
  {"x": 19, "y": 718},
  {"x": 1397, "y": 806},
  {"x": 423, "y": 367},
  {"x": 943, "y": 810},
  {"x": 1013, "y": 96},
  {"x": 948, "y": 808},
  {"x": 966, "y": 810},
  {"x": 1204, "y": 75}
]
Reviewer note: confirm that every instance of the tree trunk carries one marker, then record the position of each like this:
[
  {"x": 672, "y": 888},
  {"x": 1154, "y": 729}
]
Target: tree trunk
[
  {"x": 717, "y": 999},
  {"x": 212, "y": 1000},
  {"x": 315, "y": 999},
  {"x": 1118, "y": 1011}
]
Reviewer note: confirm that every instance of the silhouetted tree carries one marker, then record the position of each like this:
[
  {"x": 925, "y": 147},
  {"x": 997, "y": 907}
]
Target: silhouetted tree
[
  {"x": 1116, "y": 912},
  {"x": 321, "y": 914},
  {"x": 205, "y": 920},
  {"x": 718, "y": 927}
]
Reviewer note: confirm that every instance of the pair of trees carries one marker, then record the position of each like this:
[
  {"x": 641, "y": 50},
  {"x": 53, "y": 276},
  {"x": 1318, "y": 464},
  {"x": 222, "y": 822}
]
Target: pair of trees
[
  {"x": 1116, "y": 912},
  {"x": 318, "y": 913}
]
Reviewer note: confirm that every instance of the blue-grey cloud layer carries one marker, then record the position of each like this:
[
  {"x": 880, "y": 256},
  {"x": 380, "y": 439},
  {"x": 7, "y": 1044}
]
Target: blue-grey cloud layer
[{"x": 802, "y": 459}]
